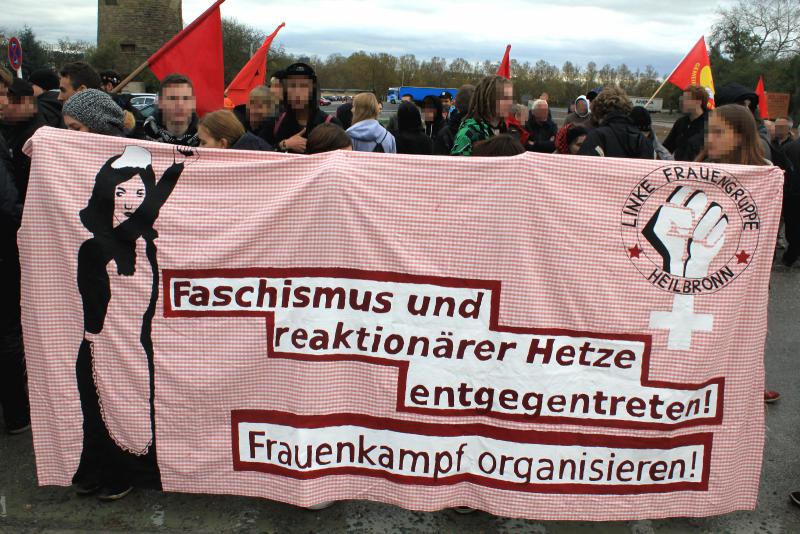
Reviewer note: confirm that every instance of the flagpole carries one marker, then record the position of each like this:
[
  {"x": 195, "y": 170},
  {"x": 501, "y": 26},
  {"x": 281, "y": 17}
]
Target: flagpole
[
  {"x": 666, "y": 80},
  {"x": 130, "y": 77}
]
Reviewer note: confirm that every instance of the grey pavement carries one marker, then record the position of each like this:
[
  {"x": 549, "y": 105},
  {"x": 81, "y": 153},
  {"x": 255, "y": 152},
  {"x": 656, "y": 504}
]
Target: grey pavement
[{"x": 27, "y": 508}]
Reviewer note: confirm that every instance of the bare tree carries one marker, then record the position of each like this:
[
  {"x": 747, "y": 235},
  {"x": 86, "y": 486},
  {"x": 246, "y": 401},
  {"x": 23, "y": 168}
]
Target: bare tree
[{"x": 768, "y": 28}]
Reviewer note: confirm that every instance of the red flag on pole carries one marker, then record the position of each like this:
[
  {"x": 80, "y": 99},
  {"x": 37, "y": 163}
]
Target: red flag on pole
[
  {"x": 197, "y": 53},
  {"x": 695, "y": 69},
  {"x": 252, "y": 74},
  {"x": 762, "y": 99},
  {"x": 505, "y": 65}
]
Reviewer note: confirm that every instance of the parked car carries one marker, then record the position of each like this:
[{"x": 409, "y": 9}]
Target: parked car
[
  {"x": 324, "y": 102},
  {"x": 140, "y": 100}
]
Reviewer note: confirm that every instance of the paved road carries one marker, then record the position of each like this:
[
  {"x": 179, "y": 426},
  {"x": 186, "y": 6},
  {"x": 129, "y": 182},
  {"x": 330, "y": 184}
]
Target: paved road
[{"x": 24, "y": 507}]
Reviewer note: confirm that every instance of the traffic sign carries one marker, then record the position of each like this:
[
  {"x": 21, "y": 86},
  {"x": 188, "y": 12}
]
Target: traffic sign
[{"x": 15, "y": 54}]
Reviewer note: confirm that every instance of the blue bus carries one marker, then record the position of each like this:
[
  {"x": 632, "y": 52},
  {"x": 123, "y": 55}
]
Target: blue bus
[{"x": 394, "y": 94}]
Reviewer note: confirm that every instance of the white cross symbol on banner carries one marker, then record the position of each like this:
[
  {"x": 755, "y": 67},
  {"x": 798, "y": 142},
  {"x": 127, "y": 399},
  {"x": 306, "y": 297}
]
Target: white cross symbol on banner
[{"x": 681, "y": 322}]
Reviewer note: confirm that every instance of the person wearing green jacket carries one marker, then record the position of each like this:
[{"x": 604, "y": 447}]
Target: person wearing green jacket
[{"x": 488, "y": 109}]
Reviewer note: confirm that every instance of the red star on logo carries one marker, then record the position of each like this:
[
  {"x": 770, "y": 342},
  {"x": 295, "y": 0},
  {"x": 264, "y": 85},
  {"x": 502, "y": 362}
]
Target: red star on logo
[
  {"x": 742, "y": 257},
  {"x": 635, "y": 251}
]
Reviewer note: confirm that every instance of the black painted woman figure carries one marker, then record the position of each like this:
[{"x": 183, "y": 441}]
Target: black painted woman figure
[{"x": 116, "y": 383}]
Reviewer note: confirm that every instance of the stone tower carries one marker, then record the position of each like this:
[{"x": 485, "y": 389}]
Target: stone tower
[{"x": 137, "y": 27}]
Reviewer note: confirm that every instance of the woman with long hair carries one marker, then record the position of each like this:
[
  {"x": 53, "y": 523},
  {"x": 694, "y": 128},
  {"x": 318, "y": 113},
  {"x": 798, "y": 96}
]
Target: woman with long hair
[
  {"x": 115, "y": 363},
  {"x": 732, "y": 137},
  {"x": 366, "y": 132},
  {"x": 488, "y": 109}
]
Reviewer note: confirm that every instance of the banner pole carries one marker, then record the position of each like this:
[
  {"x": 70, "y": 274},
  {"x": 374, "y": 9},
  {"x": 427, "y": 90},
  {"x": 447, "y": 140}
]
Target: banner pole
[{"x": 130, "y": 77}]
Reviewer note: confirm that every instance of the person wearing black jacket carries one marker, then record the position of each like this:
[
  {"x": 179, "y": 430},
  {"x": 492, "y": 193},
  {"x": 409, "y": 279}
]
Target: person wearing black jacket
[
  {"x": 432, "y": 116},
  {"x": 45, "y": 88},
  {"x": 617, "y": 136},
  {"x": 443, "y": 143},
  {"x": 791, "y": 205},
  {"x": 541, "y": 129},
  {"x": 289, "y": 130},
  {"x": 20, "y": 120},
  {"x": 410, "y": 137},
  {"x": 685, "y": 140}
]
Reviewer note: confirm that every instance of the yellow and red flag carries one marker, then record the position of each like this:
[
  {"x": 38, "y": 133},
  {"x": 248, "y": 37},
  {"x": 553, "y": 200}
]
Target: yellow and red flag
[{"x": 695, "y": 69}]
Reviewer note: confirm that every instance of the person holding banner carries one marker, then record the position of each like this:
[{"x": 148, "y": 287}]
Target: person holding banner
[
  {"x": 488, "y": 109},
  {"x": 221, "y": 129},
  {"x": 94, "y": 111}
]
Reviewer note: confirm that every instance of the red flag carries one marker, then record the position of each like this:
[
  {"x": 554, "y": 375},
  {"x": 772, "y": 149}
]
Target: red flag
[
  {"x": 695, "y": 69},
  {"x": 762, "y": 99},
  {"x": 197, "y": 53},
  {"x": 505, "y": 66},
  {"x": 252, "y": 74}
]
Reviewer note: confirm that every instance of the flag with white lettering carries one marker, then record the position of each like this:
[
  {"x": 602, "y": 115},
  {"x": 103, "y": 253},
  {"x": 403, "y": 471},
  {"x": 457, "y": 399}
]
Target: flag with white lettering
[{"x": 509, "y": 334}]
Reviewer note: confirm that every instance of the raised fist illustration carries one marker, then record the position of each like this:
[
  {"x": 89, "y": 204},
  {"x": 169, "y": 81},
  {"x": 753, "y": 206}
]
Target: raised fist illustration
[
  {"x": 687, "y": 232},
  {"x": 184, "y": 154}
]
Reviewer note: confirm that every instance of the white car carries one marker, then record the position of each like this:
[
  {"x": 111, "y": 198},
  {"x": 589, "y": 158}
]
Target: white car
[{"x": 140, "y": 100}]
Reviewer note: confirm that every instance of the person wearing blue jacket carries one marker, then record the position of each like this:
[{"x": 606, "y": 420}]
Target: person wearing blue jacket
[{"x": 366, "y": 132}]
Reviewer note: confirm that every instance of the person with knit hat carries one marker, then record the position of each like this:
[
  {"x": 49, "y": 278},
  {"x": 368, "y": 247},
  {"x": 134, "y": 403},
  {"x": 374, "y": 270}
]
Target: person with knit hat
[{"x": 92, "y": 110}]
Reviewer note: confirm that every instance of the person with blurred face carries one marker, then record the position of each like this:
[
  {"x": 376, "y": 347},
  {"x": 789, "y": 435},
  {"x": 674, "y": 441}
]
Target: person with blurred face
[
  {"x": 581, "y": 116},
  {"x": 447, "y": 102},
  {"x": 783, "y": 131},
  {"x": 486, "y": 117},
  {"x": 20, "y": 119},
  {"x": 289, "y": 131},
  {"x": 541, "y": 129},
  {"x": 175, "y": 122},
  {"x": 276, "y": 87}
]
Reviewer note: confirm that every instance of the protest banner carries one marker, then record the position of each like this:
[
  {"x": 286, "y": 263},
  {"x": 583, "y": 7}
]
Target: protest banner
[{"x": 541, "y": 336}]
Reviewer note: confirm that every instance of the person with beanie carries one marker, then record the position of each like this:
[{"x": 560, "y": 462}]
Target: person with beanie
[
  {"x": 642, "y": 120},
  {"x": 92, "y": 110},
  {"x": 444, "y": 141},
  {"x": 582, "y": 116},
  {"x": 410, "y": 137},
  {"x": 45, "y": 89}
]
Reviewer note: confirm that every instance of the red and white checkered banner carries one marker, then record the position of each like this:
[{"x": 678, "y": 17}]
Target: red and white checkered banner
[{"x": 549, "y": 337}]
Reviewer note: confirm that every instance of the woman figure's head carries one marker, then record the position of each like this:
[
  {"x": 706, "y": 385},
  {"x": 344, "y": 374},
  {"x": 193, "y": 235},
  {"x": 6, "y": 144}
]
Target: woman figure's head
[
  {"x": 365, "y": 107},
  {"x": 492, "y": 100},
  {"x": 732, "y": 137},
  {"x": 120, "y": 187},
  {"x": 326, "y": 138},
  {"x": 219, "y": 129}
]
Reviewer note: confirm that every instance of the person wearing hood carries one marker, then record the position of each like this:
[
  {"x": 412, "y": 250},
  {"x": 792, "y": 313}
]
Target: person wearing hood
[
  {"x": 616, "y": 136},
  {"x": 94, "y": 111},
  {"x": 289, "y": 131},
  {"x": 541, "y": 129},
  {"x": 411, "y": 138},
  {"x": 366, "y": 132},
  {"x": 685, "y": 139},
  {"x": 45, "y": 89},
  {"x": 488, "y": 109},
  {"x": 443, "y": 143},
  {"x": 582, "y": 116},
  {"x": 222, "y": 129},
  {"x": 432, "y": 116},
  {"x": 175, "y": 122},
  {"x": 641, "y": 118}
]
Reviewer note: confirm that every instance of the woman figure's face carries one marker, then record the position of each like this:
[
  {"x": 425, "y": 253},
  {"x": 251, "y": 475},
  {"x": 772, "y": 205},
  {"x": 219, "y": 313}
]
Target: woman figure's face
[
  {"x": 128, "y": 196},
  {"x": 721, "y": 140}
]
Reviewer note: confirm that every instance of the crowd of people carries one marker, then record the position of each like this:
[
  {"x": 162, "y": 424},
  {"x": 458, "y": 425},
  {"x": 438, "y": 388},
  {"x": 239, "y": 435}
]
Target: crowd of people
[{"x": 480, "y": 120}]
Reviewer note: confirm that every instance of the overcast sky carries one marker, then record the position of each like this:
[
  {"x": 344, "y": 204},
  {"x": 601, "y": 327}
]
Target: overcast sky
[{"x": 635, "y": 32}]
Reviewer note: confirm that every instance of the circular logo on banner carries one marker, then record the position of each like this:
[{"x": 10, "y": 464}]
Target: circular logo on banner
[
  {"x": 14, "y": 53},
  {"x": 690, "y": 229}
]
